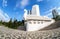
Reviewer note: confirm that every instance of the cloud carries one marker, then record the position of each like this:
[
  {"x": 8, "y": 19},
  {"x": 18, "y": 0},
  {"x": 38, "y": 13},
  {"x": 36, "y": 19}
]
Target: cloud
[
  {"x": 49, "y": 12},
  {"x": 58, "y": 8},
  {"x": 4, "y": 16},
  {"x": 39, "y": 0},
  {"x": 49, "y": 15},
  {"x": 22, "y": 3},
  {"x": 4, "y": 3}
]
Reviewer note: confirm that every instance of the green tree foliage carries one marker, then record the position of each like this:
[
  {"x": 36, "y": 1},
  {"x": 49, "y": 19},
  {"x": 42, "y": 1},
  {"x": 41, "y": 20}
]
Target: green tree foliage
[
  {"x": 57, "y": 18},
  {"x": 55, "y": 15},
  {"x": 1, "y": 22},
  {"x": 13, "y": 24}
]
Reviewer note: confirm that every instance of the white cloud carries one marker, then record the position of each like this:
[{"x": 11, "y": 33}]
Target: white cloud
[
  {"x": 4, "y": 3},
  {"x": 4, "y": 16},
  {"x": 49, "y": 12},
  {"x": 22, "y": 3},
  {"x": 59, "y": 13},
  {"x": 49, "y": 15},
  {"x": 39, "y": 0},
  {"x": 58, "y": 8}
]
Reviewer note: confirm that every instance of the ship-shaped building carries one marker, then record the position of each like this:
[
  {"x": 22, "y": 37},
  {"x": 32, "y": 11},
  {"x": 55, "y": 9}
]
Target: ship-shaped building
[{"x": 33, "y": 21}]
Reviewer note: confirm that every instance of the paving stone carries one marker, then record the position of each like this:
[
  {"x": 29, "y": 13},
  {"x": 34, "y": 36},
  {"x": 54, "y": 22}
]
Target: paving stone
[{"x": 18, "y": 34}]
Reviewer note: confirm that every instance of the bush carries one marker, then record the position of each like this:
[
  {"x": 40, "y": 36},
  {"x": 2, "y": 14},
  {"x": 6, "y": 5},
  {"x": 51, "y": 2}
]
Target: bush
[
  {"x": 13, "y": 24},
  {"x": 57, "y": 18}
]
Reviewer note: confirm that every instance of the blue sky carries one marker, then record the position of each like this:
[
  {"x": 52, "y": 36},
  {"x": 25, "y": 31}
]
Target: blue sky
[{"x": 15, "y": 8}]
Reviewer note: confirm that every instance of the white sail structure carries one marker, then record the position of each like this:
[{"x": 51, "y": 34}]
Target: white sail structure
[
  {"x": 25, "y": 13},
  {"x": 35, "y": 21}
]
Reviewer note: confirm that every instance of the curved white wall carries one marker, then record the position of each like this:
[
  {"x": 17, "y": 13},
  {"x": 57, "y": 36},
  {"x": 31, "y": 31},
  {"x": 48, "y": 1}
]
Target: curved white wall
[{"x": 34, "y": 27}]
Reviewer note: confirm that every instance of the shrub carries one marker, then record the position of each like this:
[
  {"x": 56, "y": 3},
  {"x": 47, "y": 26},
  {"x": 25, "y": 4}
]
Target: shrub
[{"x": 13, "y": 24}]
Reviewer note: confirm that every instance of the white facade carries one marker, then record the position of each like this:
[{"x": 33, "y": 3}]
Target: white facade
[
  {"x": 35, "y": 10},
  {"x": 37, "y": 25},
  {"x": 34, "y": 21}
]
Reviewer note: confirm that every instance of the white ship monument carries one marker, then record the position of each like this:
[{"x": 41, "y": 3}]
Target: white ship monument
[{"x": 34, "y": 21}]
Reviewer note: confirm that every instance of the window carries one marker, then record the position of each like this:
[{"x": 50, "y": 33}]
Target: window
[
  {"x": 30, "y": 22},
  {"x": 41, "y": 22},
  {"x": 38, "y": 22},
  {"x": 34, "y": 22}
]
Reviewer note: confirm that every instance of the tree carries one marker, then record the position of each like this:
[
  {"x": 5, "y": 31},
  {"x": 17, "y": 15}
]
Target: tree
[
  {"x": 23, "y": 22},
  {"x": 55, "y": 15},
  {"x": 1, "y": 22},
  {"x": 15, "y": 24},
  {"x": 9, "y": 24}
]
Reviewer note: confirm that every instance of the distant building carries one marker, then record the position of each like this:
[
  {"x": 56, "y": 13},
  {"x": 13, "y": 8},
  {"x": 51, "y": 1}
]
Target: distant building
[
  {"x": 33, "y": 21},
  {"x": 55, "y": 13}
]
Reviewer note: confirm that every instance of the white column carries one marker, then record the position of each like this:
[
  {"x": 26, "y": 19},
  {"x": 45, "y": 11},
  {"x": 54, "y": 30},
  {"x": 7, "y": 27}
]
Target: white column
[{"x": 35, "y": 10}]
